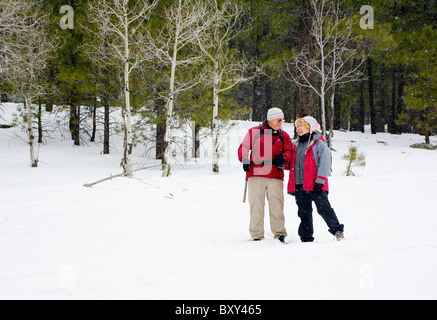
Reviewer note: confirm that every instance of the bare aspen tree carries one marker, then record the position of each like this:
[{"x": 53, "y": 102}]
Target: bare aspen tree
[
  {"x": 344, "y": 53},
  {"x": 28, "y": 46},
  {"x": 225, "y": 69},
  {"x": 181, "y": 31},
  {"x": 13, "y": 18},
  {"x": 333, "y": 62},
  {"x": 120, "y": 25},
  {"x": 13, "y": 15}
]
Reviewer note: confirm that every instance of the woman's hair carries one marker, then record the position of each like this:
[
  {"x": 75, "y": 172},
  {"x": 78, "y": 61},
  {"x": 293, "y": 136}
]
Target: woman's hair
[{"x": 302, "y": 122}]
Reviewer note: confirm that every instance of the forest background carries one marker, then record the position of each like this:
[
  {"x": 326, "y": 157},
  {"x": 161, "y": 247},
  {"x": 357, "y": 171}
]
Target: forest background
[{"x": 203, "y": 63}]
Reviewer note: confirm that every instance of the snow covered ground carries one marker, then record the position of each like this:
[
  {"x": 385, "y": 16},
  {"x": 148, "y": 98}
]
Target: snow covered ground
[{"x": 186, "y": 237}]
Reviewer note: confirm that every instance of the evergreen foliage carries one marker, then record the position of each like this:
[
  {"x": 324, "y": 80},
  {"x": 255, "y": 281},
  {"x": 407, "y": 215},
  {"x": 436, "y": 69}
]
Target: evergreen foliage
[
  {"x": 396, "y": 91},
  {"x": 354, "y": 159}
]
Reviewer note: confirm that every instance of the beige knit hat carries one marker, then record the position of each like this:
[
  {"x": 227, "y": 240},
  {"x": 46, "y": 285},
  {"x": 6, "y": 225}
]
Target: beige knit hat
[{"x": 275, "y": 113}]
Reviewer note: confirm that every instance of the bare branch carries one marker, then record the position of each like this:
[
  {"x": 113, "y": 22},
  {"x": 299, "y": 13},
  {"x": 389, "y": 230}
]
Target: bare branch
[{"x": 332, "y": 64}]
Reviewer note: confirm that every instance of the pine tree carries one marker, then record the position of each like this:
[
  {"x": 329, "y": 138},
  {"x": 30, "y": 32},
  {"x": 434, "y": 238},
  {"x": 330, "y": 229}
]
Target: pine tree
[
  {"x": 72, "y": 69},
  {"x": 421, "y": 92},
  {"x": 354, "y": 159},
  {"x": 414, "y": 28}
]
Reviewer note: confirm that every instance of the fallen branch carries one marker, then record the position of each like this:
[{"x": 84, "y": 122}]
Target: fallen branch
[{"x": 90, "y": 185}]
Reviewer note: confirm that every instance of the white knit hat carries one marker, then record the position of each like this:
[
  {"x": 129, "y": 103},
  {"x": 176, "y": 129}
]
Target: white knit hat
[
  {"x": 275, "y": 113},
  {"x": 314, "y": 125}
]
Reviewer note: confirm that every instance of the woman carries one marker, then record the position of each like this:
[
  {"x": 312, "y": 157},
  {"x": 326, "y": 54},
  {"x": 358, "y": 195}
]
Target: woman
[{"x": 310, "y": 167}]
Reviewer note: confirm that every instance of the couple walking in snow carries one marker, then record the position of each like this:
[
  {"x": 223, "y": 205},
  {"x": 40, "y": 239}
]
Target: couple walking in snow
[{"x": 265, "y": 152}]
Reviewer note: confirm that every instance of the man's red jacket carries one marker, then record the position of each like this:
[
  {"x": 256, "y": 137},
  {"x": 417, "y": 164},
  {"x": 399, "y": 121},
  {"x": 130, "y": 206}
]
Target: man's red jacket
[{"x": 260, "y": 145}]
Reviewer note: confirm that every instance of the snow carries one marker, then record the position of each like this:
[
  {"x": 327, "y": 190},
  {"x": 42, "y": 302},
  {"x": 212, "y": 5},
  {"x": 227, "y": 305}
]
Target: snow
[{"x": 186, "y": 236}]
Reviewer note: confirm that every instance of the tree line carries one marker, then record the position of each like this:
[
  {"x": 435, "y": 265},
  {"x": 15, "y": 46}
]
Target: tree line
[{"x": 347, "y": 63}]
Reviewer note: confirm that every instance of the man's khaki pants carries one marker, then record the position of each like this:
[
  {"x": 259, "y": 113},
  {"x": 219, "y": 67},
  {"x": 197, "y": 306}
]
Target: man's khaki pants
[{"x": 274, "y": 189}]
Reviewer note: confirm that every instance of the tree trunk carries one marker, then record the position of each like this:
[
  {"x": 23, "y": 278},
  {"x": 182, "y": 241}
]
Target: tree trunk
[
  {"x": 400, "y": 105},
  {"x": 127, "y": 161},
  {"x": 39, "y": 123},
  {"x": 339, "y": 118},
  {"x": 106, "y": 126},
  {"x": 383, "y": 113},
  {"x": 361, "y": 113},
  {"x": 160, "y": 128},
  {"x": 322, "y": 91},
  {"x": 331, "y": 125},
  {"x": 197, "y": 142},
  {"x": 304, "y": 95},
  {"x": 170, "y": 105},
  {"x": 128, "y": 130},
  {"x": 392, "y": 128},
  {"x": 260, "y": 101},
  {"x": 167, "y": 136},
  {"x": 288, "y": 106},
  {"x": 371, "y": 98},
  {"x": 33, "y": 160},
  {"x": 75, "y": 123},
  {"x": 93, "y": 134},
  {"x": 215, "y": 133}
]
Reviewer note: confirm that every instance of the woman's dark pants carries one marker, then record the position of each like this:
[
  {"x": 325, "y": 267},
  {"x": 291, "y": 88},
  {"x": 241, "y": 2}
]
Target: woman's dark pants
[{"x": 304, "y": 201}]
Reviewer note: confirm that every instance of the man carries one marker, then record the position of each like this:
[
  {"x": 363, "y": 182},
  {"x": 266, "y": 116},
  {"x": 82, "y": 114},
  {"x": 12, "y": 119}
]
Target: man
[
  {"x": 310, "y": 168},
  {"x": 265, "y": 152}
]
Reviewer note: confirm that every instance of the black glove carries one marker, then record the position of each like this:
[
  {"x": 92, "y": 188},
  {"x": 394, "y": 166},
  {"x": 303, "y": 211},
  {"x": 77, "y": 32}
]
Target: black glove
[
  {"x": 247, "y": 165},
  {"x": 279, "y": 161},
  {"x": 318, "y": 187}
]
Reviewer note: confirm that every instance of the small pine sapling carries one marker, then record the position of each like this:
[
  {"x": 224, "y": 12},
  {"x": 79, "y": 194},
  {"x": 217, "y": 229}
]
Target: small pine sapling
[{"x": 354, "y": 159}]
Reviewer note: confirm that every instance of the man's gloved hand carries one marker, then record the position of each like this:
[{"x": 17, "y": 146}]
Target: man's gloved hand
[
  {"x": 279, "y": 161},
  {"x": 318, "y": 187},
  {"x": 247, "y": 165}
]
